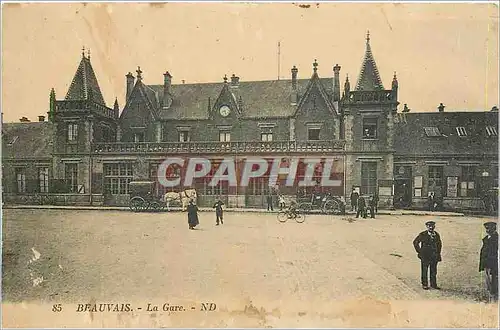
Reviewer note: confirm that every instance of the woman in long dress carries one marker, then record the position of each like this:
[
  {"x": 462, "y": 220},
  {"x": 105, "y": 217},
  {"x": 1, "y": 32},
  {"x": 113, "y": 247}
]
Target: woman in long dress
[{"x": 192, "y": 211}]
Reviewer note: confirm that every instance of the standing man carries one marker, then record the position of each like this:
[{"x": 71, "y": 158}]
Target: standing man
[
  {"x": 375, "y": 201},
  {"x": 269, "y": 199},
  {"x": 192, "y": 211},
  {"x": 218, "y": 212},
  {"x": 488, "y": 261},
  {"x": 354, "y": 199},
  {"x": 428, "y": 246},
  {"x": 361, "y": 207},
  {"x": 371, "y": 205},
  {"x": 432, "y": 201}
]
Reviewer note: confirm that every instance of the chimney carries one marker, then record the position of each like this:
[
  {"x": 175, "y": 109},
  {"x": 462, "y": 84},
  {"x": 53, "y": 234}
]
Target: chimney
[
  {"x": 336, "y": 83},
  {"x": 167, "y": 90},
  {"x": 41, "y": 118},
  {"x": 441, "y": 107},
  {"x": 235, "y": 81},
  {"x": 130, "y": 84},
  {"x": 294, "y": 96},
  {"x": 24, "y": 120}
]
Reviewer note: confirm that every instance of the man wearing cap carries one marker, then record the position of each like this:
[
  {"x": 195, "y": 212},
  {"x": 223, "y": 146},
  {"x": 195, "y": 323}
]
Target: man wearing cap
[
  {"x": 488, "y": 261},
  {"x": 428, "y": 246}
]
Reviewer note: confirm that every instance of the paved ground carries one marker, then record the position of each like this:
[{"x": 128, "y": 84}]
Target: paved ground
[{"x": 258, "y": 271}]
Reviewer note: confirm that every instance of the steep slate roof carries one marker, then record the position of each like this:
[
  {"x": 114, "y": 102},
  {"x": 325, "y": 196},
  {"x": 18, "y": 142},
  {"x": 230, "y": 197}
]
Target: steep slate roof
[
  {"x": 34, "y": 140},
  {"x": 410, "y": 137},
  {"x": 369, "y": 77},
  {"x": 84, "y": 85},
  {"x": 269, "y": 98}
]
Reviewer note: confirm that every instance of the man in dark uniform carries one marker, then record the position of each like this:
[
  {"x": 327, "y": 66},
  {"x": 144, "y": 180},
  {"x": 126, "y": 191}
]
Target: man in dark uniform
[
  {"x": 371, "y": 206},
  {"x": 269, "y": 199},
  {"x": 354, "y": 199},
  {"x": 428, "y": 246},
  {"x": 361, "y": 207},
  {"x": 192, "y": 211},
  {"x": 218, "y": 212},
  {"x": 488, "y": 261}
]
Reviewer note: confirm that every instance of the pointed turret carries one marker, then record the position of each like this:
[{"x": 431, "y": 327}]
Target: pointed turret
[
  {"x": 52, "y": 104},
  {"x": 347, "y": 86},
  {"x": 369, "y": 77},
  {"x": 84, "y": 85},
  {"x": 395, "y": 86},
  {"x": 116, "y": 108}
]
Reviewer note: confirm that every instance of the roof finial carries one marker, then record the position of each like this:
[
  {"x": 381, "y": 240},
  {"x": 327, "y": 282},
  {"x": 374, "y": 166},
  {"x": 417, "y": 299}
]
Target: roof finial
[
  {"x": 88, "y": 53},
  {"x": 83, "y": 51},
  {"x": 368, "y": 36},
  {"x": 225, "y": 79},
  {"x": 139, "y": 73},
  {"x": 315, "y": 65}
]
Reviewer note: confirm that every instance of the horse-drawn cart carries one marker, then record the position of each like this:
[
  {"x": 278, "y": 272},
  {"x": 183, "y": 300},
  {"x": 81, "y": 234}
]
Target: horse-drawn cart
[
  {"x": 143, "y": 198},
  {"x": 323, "y": 202}
]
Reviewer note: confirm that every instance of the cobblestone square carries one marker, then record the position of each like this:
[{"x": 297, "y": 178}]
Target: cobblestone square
[{"x": 274, "y": 274}]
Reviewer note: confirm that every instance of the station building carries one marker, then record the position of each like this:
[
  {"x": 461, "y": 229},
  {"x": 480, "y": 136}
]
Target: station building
[{"x": 86, "y": 153}]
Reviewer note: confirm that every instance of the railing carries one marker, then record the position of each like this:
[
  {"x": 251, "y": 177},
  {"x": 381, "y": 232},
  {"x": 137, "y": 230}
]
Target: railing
[
  {"x": 79, "y": 105},
  {"x": 219, "y": 147},
  {"x": 384, "y": 96}
]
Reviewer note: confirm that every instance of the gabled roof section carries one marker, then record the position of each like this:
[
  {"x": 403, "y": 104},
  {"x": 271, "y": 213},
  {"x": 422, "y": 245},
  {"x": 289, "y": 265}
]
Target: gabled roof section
[
  {"x": 369, "y": 77},
  {"x": 148, "y": 95},
  {"x": 315, "y": 81},
  {"x": 260, "y": 99},
  {"x": 435, "y": 133},
  {"x": 27, "y": 140},
  {"x": 84, "y": 85}
]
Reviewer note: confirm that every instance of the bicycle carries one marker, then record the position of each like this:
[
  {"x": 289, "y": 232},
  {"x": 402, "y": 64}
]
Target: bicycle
[{"x": 289, "y": 213}]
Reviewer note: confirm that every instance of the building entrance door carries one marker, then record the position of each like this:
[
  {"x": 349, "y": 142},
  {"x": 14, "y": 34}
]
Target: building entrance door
[{"x": 402, "y": 187}]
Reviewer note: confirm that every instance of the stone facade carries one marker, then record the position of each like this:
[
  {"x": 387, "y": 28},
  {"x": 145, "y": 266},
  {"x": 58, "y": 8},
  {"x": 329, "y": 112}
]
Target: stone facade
[{"x": 92, "y": 151}]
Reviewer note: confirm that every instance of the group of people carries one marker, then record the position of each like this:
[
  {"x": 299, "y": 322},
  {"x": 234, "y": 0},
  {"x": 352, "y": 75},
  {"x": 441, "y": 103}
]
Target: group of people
[
  {"x": 361, "y": 206},
  {"x": 428, "y": 246},
  {"x": 192, "y": 212}
]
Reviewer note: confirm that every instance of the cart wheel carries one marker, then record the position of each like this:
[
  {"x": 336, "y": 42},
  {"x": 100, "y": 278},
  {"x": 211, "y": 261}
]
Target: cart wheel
[
  {"x": 136, "y": 204},
  {"x": 332, "y": 207},
  {"x": 304, "y": 208},
  {"x": 155, "y": 206},
  {"x": 282, "y": 216}
]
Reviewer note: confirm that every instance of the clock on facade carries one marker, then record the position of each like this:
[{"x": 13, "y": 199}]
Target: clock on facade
[{"x": 224, "y": 111}]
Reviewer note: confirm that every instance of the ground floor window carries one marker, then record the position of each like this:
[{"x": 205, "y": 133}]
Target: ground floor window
[
  {"x": 468, "y": 182},
  {"x": 43, "y": 179},
  {"x": 435, "y": 180},
  {"x": 368, "y": 178},
  {"x": 71, "y": 176},
  {"x": 21, "y": 180},
  {"x": 117, "y": 177}
]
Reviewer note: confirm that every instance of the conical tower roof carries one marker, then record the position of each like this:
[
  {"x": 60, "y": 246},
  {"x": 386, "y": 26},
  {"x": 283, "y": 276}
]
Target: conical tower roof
[
  {"x": 369, "y": 77},
  {"x": 84, "y": 85}
]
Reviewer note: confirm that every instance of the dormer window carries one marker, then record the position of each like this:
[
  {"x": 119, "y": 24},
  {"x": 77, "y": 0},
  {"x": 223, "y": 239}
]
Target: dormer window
[
  {"x": 432, "y": 131},
  {"x": 13, "y": 140},
  {"x": 491, "y": 131},
  {"x": 370, "y": 128},
  {"x": 224, "y": 136},
  {"x": 139, "y": 137},
  {"x": 266, "y": 136},
  {"x": 183, "y": 136},
  {"x": 72, "y": 132},
  {"x": 461, "y": 131}
]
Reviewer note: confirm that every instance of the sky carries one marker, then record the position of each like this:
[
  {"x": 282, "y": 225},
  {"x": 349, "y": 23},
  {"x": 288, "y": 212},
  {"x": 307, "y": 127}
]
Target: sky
[{"x": 441, "y": 52}]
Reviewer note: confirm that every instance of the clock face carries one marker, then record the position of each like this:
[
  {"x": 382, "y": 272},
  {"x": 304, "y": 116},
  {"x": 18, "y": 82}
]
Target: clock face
[{"x": 224, "y": 111}]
